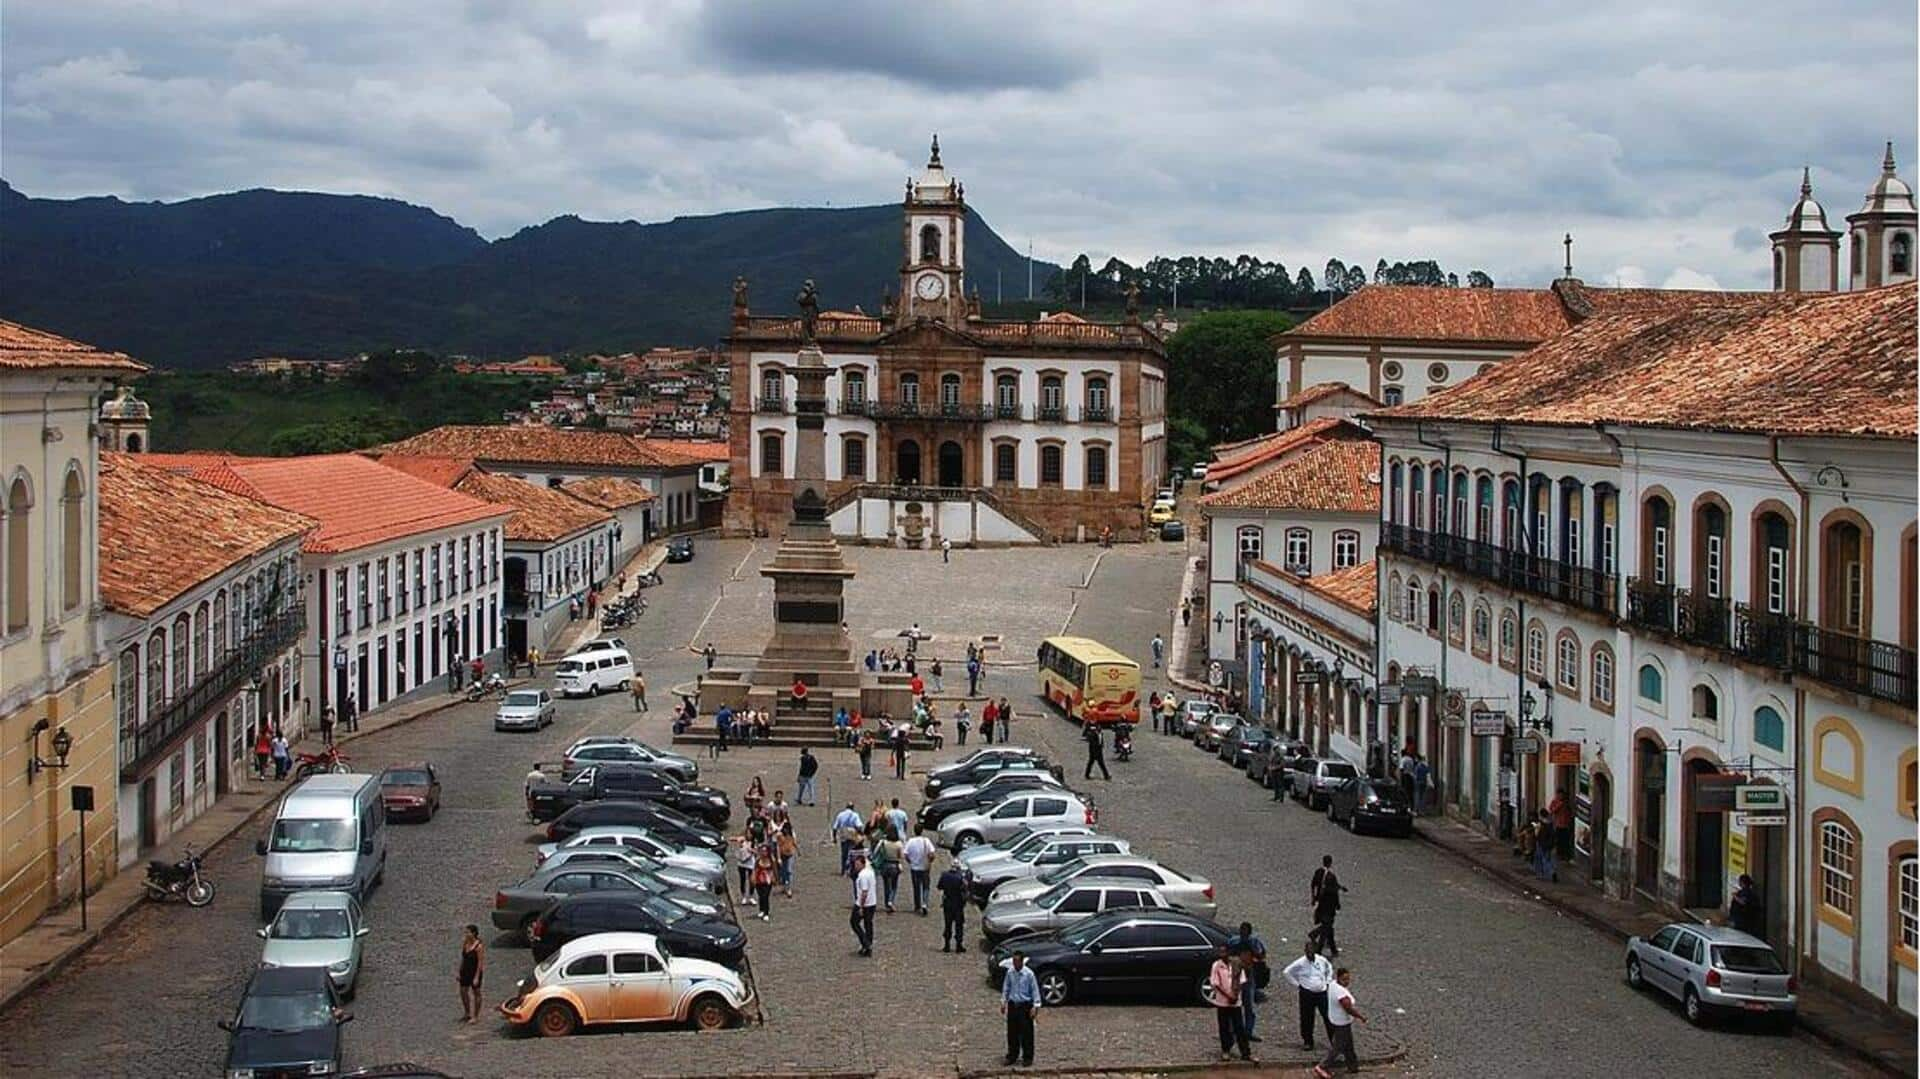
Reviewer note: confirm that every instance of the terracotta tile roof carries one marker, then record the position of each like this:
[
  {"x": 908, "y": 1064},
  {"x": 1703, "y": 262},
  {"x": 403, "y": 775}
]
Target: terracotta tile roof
[
  {"x": 162, "y": 533},
  {"x": 1354, "y": 586},
  {"x": 23, "y": 348},
  {"x": 543, "y": 445},
  {"x": 1340, "y": 475},
  {"x": 607, "y": 492},
  {"x": 1320, "y": 391},
  {"x": 540, "y": 514},
  {"x": 1062, "y": 316},
  {"x": 1512, "y": 315},
  {"x": 1806, "y": 363},
  {"x": 439, "y": 471},
  {"x": 356, "y": 500},
  {"x": 1245, "y": 456},
  {"x": 214, "y": 468},
  {"x": 706, "y": 451}
]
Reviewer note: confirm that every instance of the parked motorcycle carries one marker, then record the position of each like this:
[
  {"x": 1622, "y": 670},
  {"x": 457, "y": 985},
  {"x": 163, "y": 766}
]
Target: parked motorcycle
[
  {"x": 328, "y": 760},
  {"x": 493, "y": 685},
  {"x": 180, "y": 880}
]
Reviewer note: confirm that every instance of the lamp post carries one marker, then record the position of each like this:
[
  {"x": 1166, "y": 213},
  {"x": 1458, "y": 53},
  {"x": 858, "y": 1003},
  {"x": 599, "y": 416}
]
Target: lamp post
[{"x": 61, "y": 743}]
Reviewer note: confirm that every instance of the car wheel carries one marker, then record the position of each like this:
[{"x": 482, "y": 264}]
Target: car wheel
[
  {"x": 966, "y": 840},
  {"x": 555, "y": 1020},
  {"x": 1330, "y": 813},
  {"x": 709, "y": 1013},
  {"x": 1635, "y": 979},
  {"x": 1696, "y": 1011},
  {"x": 1055, "y": 988},
  {"x": 1353, "y": 822}
]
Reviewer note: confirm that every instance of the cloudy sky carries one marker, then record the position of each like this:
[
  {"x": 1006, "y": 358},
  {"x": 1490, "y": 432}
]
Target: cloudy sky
[{"x": 1667, "y": 137}]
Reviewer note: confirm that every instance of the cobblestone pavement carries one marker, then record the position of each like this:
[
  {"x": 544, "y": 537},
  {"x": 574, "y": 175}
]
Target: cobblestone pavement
[{"x": 1466, "y": 976}]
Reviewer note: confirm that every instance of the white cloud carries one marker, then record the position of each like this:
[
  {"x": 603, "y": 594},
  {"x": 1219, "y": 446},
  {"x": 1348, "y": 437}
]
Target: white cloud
[{"x": 1668, "y": 141}]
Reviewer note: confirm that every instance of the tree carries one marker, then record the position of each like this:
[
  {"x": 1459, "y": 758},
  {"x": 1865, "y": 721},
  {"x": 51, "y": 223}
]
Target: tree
[
  {"x": 327, "y": 436},
  {"x": 1226, "y": 373},
  {"x": 1453, "y": 280},
  {"x": 1478, "y": 279},
  {"x": 1335, "y": 276},
  {"x": 1380, "y": 272},
  {"x": 1356, "y": 279},
  {"x": 1303, "y": 285},
  {"x": 1187, "y": 442}
]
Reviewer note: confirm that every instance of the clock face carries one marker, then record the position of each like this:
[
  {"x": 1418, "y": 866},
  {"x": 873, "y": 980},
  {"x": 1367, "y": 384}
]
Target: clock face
[{"x": 930, "y": 287}]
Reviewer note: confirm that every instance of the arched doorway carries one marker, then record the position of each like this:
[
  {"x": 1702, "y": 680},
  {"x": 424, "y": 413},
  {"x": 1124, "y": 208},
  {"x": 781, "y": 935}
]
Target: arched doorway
[
  {"x": 906, "y": 462},
  {"x": 1706, "y": 840},
  {"x": 1649, "y": 825},
  {"x": 952, "y": 464},
  {"x": 1599, "y": 812}
]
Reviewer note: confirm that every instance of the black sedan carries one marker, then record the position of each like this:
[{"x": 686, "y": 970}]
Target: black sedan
[
  {"x": 1370, "y": 805},
  {"x": 939, "y": 809},
  {"x": 1173, "y": 530},
  {"x": 1159, "y": 955},
  {"x": 664, "y": 821},
  {"x": 978, "y": 771},
  {"x": 684, "y": 933},
  {"x": 288, "y": 1023},
  {"x": 680, "y": 549}
]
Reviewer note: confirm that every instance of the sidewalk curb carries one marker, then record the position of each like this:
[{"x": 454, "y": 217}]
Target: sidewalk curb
[
  {"x": 1396, "y": 1054},
  {"x": 102, "y": 925},
  {"x": 1814, "y": 1028}
]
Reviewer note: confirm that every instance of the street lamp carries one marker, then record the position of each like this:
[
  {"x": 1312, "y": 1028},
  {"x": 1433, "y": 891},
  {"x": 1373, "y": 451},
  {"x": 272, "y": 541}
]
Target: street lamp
[
  {"x": 62, "y": 744},
  {"x": 1527, "y": 704}
]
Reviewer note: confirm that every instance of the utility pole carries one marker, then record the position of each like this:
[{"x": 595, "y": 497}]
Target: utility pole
[
  {"x": 1029, "y": 268},
  {"x": 1083, "y": 290},
  {"x": 996, "y": 286}
]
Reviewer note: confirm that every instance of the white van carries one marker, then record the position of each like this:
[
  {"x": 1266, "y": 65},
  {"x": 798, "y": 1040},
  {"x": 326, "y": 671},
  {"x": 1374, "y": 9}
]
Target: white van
[
  {"x": 593, "y": 670},
  {"x": 330, "y": 832}
]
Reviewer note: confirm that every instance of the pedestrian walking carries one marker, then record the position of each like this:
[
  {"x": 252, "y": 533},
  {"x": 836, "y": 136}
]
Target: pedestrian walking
[
  {"x": 887, "y": 855},
  {"x": 1006, "y": 720},
  {"x": 973, "y": 675},
  {"x": 1225, "y": 982},
  {"x": 1544, "y": 840},
  {"x": 1311, "y": 974},
  {"x": 1341, "y": 1015},
  {"x": 935, "y": 669},
  {"x": 326, "y": 726},
  {"x": 743, "y": 862},
  {"x": 896, "y": 818},
  {"x": 1253, "y": 957},
  {"x": 962, "y": 721},
  {"x": 473, "y": 970},
  {"x": 1096, "y": 750},
  {"x": 919, "y": 853},
  {"x": 866, "y": 755},
  {"x": 953, "y": 909},
  {"x": 1159, "y": 649},
  {"x": 1407, "y": 762},
  {"x": 803, "y": 785},
  {"x": 350, "y": 713},
  {"x": 1020, "y": 1003},
  {"x": 1561, "y": 809},
  {"x": 1153, "y": 709},
  {"x": 282, "y": 759},
  {"x": 846, "y": 829},
  {"x": 1172, "y": 716},
  {"x": 763, "y": 876},
  {"x": 755, "y": 797},
  {"x": 638, "y": 684},
  {"x": 901, "y": 734},
  {"x": 866, "y": 896},
  {"x": 1325, "y": 896},
  {"x": 1186, "y": 611},
  {"x": 989, "y": 715},
  {"x": 788, "y": 848},
  {"x": 1422, "y": 778},
  {"x": 262, "y": 753},
  {"x": 709, "y": 654},
  {"x": 946, "y": 549}
]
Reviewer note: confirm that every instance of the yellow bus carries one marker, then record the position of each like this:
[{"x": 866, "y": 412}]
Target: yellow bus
[{"x": 1089, "y": 682}]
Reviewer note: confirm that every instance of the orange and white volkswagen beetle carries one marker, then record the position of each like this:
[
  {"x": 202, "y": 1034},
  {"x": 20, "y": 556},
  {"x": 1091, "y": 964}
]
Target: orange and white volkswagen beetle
[{"x": 625, "y": 978}]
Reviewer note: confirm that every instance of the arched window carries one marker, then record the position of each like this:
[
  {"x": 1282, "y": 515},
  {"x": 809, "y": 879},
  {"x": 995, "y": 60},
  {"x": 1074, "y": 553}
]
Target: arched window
[
  {"x": 1710, "y": 550},
  {"x": 73, "y": 540},
  {"x": 1416, "y": 496},
  {"x": 1096, "y": 466},
  {"x": 1050, "y": 464},
  {"x": 1461, "y": 488},
  {"x": 1566, "y": 662},
  {"x": 1433, "y": 610},
  {"x": 1509, "y": 638},
  {"x": 1482, "y": 628},
  {"x": 1839, "y": 868},
  {"x": 156, "y": 673},
  {"x": 1392, "y": 395},
  {"x": 1779, "y": 270},
  {"x": 1907, "y": 902},
  {"x": 1249, "y": 540},
  {"x": 1900, "y": 255},
  {"x": 772, "y": 386},
  {"x": 930, "y": 244},
  {"x": 772, "y": 454},
  {"x": 854, "y": 388},
  {"x": 1006, "y": 463},
  {"x": 1346, "y": 548},
  {"x": 909, "y": 389},
  {"x": 1856, "y": 259},
  {"x": 949, "y": 391},
  {"x": 202, "y": 658},
  {"x": 1843, "y": 580},
  {"x": 1396, "y": 600},
  {"x": 1457, "y": 618},
  {"x": 1536, "y": 651},
  {"x": 182, "y": 639},
  {"x": 1396, "y": 490},
  {"x": 220, "y": 625},
  {"x": 1097, "y": 399},
  {"x": 1602, "y": 676},
  {"x": 1006, "y": 396},
  {"x": 1416, "y": 602},
  {"x": 853, "y": 458},
  {"x": 19, "y": 533},
  {"x": 1656, "y": 539},
  {"x": 1706, "y": 706},
  {"x": 1483, "y": 509},
  {"x": 1652, "y": 685},
  {"x": 1051, "y": 398},
  {"x": 1299, "y": 550},
  {"x": 1769, "y": 729},
  {"x": 128, "y": 692},
  {"x": 1439, "y": 478}
]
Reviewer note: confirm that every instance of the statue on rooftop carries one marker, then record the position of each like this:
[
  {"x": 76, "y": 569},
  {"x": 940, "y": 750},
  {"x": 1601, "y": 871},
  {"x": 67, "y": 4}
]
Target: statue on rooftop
[{"x": 809, "y": 301}]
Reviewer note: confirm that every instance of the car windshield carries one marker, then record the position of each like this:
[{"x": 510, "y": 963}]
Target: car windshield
[
  {"x": 1340, "y": 770},
  {"x": 664, "y": 912},
  {"x": 1015, "y": 839},
  {"x": 311, "y": 925},
  {"x": 303, "y": 1011},
  {"x": 1063, "y": 871},
  {"x": 1052, "y": 895},
  {"x": 569, "y": 666},
  {"x": 521, "y": 698},
  {"x": 1084, "y": 931},
  {"x": 406, "y": 777},
  {"x": 294, "y": 836},
  {"x": 1746, "y": 959}
]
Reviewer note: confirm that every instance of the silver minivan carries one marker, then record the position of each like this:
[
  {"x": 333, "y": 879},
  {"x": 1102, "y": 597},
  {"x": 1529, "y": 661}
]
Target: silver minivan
[{"x": 330, "y": 832}]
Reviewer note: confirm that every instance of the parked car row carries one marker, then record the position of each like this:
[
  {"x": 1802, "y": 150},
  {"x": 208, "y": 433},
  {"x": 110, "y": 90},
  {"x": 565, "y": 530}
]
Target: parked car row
[{"x": 1327, "y": 784}]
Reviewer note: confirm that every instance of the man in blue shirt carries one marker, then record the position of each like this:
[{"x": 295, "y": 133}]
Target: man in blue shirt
[
  {"x": 723, "y": 726},
  {"x": 1248, "y": 944},
  {"x": 1019, "y": 1001},
  {"x": 846, "y": 828}
]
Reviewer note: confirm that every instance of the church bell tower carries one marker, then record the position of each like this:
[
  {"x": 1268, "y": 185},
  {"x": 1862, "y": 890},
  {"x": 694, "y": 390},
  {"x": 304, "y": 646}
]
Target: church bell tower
[{"x": 932, "y": 274}]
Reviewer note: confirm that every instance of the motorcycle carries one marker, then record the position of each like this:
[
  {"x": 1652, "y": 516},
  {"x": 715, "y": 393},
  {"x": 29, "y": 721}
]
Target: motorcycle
[
  {"x": 1123, "y": 743},
  {"x": 328, "y": 760},
  {"x": 180, "y": 880},
  {"x": 492, "y": 685}
]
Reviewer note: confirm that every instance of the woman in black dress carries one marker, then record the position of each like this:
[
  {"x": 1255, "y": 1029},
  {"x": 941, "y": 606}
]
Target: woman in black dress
[{"x": 473, "y": 966}]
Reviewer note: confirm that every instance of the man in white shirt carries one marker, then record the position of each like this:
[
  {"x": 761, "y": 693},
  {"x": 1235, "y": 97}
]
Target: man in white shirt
[
  {"x": 919, "y": 853},
  {"x": 846, "y": 829},
  {"x": 1311, "y": 974},
  {"x": 1341, "y": 1015},
  {"x": 866, "y": 896}
]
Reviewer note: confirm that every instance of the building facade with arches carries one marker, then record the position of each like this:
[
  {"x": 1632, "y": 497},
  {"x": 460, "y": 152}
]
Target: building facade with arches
[
  {"x": 1663, "y": 555},
  {"x": 942, "y": 424}
]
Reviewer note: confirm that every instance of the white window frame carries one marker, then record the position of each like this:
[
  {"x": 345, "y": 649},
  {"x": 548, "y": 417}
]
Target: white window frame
[
  {"x": 1776, "y": 580},
  {"x": 1839, "y": 869},
  {"x": 1346, "y": 549},
  {"x": 1603, "y": 676},
  {"x": 1299, "y": 550},
  {"x": 1249, "y": 542},
  {"x": 1566, "y": 664},
  {"x": 1716, "y": 556},
  {"x": 1907, "y": 892},
  {"x": 1536, "y": 652}
]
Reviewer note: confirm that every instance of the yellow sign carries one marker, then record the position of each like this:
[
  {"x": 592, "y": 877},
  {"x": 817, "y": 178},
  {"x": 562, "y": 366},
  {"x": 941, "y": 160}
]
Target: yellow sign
[{"x": 1736, "y": 854}]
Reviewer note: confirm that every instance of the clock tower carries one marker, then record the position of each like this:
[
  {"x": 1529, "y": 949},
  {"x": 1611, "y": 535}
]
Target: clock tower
[{"x": 933, "y": 269}]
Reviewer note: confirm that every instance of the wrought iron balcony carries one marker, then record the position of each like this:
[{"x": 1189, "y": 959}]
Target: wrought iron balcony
[
  {"x": 1703, "y": 620},
  {"x": 1096, "y": 414},
  {"x": 853, "y": 406},
  {"x": 772, "y": 404},
  {"x": 1576, "y": 586},
  {"x": 140, "y": 748},
  {"x": 1875, "y": 668},
  {"x": 929, "y": 410},
  {"x": 1007, "y": 410},
  {"x": 1650, "y": 604},
  {"x": 1050, "y": 413}
]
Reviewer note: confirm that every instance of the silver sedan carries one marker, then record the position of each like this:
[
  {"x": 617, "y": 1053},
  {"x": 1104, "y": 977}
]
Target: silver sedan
[
  {"x": 633, "y": 861},
  {"x": 524, "y": 710},
  {"x": 317, "y": 929}
]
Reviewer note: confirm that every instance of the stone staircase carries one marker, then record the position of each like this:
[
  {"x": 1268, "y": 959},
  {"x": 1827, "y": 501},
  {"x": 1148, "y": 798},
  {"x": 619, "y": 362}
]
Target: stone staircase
[
  {"x": 810, "y": 725},
  {"x": 915, "y": 493}
]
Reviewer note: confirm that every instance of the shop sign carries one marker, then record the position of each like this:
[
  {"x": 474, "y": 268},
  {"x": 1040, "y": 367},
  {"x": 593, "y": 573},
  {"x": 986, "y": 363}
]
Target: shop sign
[
  {"x": 1759, "y": 797},
  {"x": 1563, "y": 753},
  {"x": 1528, "y": 743},
  {"x": 1736, "y": 854},
  {"x": 1453, "y": 722},
  {"x": 1307, "y": 676},
  {"x": 1758, "y": 820},
  {"x": 1390, "y": 694},
  {"x": 1485, "y": 722},
  {"x": 1716, "y": 793},
  {"x": 1420, "y": 683}
]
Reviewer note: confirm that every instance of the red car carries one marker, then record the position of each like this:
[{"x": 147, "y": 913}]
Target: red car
[{"x": 410, "y": 791}]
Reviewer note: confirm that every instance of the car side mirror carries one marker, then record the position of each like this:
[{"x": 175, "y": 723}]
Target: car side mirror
[
  {"x": 366, "y": 846},
  {"x": 345, "y": 1017},
  {"x": 224, "y": 1024},
  {"x": 260, "y": 847},
  {"x": 360, "y": 932},
  {"x": 261, "y": 932},
  {"x": 1096, "y": 948}
]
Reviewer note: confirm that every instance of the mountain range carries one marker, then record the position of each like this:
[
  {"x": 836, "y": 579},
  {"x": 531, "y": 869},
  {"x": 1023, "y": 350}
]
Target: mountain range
[{"x": 207, "y": 281}]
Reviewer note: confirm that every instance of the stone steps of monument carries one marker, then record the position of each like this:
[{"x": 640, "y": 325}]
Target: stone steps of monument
[{"x": 793, "y": 738}]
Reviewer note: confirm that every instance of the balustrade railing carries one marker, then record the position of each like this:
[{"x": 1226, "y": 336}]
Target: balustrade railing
[{"x": 141, "y": 746}]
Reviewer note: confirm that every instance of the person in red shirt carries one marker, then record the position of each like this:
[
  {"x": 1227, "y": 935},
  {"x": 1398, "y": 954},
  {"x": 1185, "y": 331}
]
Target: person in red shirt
[
  {"x": 1561, "y": 809},
  {"x": 918, "y": 685},
  {"x": 799, "y": 691},
  {"x": 988, "y": 716}
]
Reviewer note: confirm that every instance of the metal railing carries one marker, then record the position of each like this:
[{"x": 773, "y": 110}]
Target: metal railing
[
  {"x": 1096, "y": 414},
  {"x": 139, "y": 748},
  {"x": 771, "y": 404},
  {"x": 1576, "y": 586},
  {"x": 1877, "y": 669},
  {"x": 1650, "y": 604}
]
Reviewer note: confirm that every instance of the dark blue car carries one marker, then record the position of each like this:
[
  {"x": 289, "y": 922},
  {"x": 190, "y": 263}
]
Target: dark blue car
[{"x": 288, "y": 1023}]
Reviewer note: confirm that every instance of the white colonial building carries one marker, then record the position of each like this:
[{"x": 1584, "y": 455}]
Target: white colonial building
[{"x": 1669, "y": 553}]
